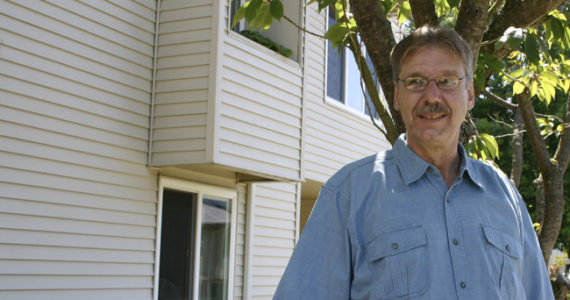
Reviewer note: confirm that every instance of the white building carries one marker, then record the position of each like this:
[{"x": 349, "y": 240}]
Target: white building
[{"x": 146, "y": 148}]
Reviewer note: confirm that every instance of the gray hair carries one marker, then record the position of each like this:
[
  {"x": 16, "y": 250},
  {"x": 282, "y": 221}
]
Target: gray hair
[{"x": 429, "y": 35}]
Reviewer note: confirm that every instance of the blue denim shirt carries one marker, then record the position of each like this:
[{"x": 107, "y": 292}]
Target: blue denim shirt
[{"x": 387, "y": 227}]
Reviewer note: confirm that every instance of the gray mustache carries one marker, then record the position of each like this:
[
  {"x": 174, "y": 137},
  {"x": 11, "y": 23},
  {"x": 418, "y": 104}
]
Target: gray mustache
[{"x": 435, "y": 108}]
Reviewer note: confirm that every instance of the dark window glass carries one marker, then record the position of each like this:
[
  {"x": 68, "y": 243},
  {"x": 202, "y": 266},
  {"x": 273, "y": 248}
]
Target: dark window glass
[
  {"x": 177, "y": 245},
  {"x": 335, "y": 68}
]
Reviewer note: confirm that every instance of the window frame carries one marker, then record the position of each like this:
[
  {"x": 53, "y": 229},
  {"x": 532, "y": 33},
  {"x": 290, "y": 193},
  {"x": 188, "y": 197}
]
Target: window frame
[
  {"x": 297, "y": 56},
  {"x": 202, "y": 191},
  {"x": 346, "y": 58}
]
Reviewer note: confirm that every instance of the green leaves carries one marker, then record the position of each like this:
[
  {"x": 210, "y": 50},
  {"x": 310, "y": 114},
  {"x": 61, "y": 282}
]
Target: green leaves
[
  {"x": 441, "y": 7},
  {"x": 540, "y": 65},
  {"x": 550, "y": 125},
  {"x": 276, "y": 9},
  {"x": 557, "y": 29},
  {"x": 259, "y": 14},
  {"x": 390, "y": 5},
  {"x": 483, "y": 147},
  {"x": 485, "y": 61},
  {"x": 404, "y": 12},
  {"x": 531, "y": 48},
  {"x": 338, "y": 33},
  {"x": 322, "y": 3}
]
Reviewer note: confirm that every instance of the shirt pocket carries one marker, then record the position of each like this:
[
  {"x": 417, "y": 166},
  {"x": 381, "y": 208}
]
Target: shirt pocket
[
  {"x": 398, "y": 260},
  {"x": 504, "y": 255}
]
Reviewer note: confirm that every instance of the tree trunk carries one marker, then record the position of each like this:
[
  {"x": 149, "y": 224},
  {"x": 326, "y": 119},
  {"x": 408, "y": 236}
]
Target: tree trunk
[
  {"x": 552, "y": 179},
  {"x": 471, "y": 24},
  {"x": 538, "y": 184},
  {"x": 423, "y": 12},
  {"x": 517, "y": 147},
  {"x": 563, "y": 285}
]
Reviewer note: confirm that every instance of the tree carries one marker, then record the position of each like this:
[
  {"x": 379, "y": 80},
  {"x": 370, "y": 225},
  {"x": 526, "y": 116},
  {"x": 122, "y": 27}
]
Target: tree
[{"x": 531, "y": 60}]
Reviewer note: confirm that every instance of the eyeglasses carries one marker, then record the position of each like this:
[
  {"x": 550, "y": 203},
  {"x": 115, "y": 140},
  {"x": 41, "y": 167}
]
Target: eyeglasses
[{"x": 419, "y": 83}]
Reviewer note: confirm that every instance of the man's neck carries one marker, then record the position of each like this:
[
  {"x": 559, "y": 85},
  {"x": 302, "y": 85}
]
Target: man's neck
[{"x": 444, "y": 157}]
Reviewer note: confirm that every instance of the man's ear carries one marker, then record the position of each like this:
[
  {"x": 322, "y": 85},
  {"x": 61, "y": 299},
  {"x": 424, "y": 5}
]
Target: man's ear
[{"x": 396, "y": 97}]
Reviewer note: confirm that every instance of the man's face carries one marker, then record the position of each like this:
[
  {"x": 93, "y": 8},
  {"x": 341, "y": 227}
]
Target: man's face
[{"x": 433, "y": 116}]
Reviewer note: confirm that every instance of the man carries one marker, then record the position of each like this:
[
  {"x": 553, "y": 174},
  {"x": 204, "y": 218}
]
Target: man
[{"x": 421, "y": 221}]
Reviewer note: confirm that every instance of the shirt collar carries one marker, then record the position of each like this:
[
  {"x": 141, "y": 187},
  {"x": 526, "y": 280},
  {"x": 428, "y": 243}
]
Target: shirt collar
[{"x": 412, "y": 167}]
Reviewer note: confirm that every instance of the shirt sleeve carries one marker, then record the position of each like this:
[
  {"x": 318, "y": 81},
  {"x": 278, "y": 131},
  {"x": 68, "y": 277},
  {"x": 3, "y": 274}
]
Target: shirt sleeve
[
  {"x": 320, "y": 267},
  {"x": 536, "y": 281}
]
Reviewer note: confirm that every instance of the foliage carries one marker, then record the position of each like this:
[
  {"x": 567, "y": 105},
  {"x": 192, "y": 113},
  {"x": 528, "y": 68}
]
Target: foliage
[
  {"x": 483, "y": 147},
  {"x": 259, "y": 14},
  {"x": 257, "y": 37},
  {"x": 528, "y": 65}
]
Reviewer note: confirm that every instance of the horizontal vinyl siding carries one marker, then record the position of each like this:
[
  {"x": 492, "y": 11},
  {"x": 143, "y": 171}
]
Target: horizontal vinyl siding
[
  {"x": 273, "y": 236},
  {"x": 180, "y": 116},
  {"x": 333, "y": 136},
  {"x": 77, "y": 203},
  {"x": 260, "y": 110},
  {"x": 240, "y": 243}
]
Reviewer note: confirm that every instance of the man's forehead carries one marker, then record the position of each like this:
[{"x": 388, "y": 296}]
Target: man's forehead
[
  {"x": 440, "y": 73},
  {"x": 448, "y": 63}
]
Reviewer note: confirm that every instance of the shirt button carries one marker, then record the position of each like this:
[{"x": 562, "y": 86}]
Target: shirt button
[
  {"x": 455, "y": 242},
  {"x": 508, "y": 248},
  {"x": 462, "y": 285},
  {"x": 447, "y": 200},
  {"x": 395, "y": 246}
]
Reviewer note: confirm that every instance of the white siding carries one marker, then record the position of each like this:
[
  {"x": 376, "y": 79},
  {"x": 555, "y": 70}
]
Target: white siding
[
  {"x": 77, "y": 203},
  {"x": 240, "y": 243},
  {"x": 334, "y": 136},
  {"x": 184, "y": 55},
  {"x": 272, "y": 236},
  {"x": 260, "y": 110}
]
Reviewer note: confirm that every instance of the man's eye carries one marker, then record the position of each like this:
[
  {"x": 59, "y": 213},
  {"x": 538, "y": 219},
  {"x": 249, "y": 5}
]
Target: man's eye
[
  {"x": 443, "y": 80},
  {"x": 415, "y": 81}
]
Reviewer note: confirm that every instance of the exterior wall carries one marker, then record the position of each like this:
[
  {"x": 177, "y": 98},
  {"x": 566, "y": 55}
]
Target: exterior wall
[
  {"x": 182, "y": 85},
  {"x": 260, "y": 110},
  {"x": 222, "y": 98},
  {"x": 334, "y": 135},
  {"x": 239, "y": 268},
  {"x": 77, "y": 203},
  {"x": 271, "y": 235}
]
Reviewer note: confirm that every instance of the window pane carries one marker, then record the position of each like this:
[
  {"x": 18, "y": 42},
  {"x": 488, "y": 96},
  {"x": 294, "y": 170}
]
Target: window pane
[
  {"x": 354, "y": 95},
  {"x": 334, "y": 67},
  {"x": 234, "y": 6},
  {"x": 214, "y": 249},
  {"x": 370, "y": 106},
  {"x": 177, "y": 245}
]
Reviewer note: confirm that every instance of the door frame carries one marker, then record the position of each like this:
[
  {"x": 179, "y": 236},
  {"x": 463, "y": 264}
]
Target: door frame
[{"x": 200, "y": 189}]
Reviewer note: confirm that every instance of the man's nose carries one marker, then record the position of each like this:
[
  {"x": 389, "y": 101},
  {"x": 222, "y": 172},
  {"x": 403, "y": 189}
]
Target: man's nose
[{"x": 432, "y": 91}]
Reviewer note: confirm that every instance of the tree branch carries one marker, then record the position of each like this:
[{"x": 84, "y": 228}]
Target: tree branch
[
  {"x": 391, "y": 133},
  {"x": 376, "y": 32},
  {"x": 502, "y": 102},
  {"x": 472, "y": 24},
  {"x": 494, "y": 11},
  {"x": 423, "y": 12},
  {"x": 562, "y": 155},
  {"x": 302, "y": 28},
  {"x": 517, "y": 147},
  {"x": 536, "y": 141},
  {"x": 520, "y": 14}
]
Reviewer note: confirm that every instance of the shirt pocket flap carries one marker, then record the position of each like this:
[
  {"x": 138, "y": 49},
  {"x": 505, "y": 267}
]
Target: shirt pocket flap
[
  {"x": 503, "y": 242},
  {"x": 395, "y": 242}
]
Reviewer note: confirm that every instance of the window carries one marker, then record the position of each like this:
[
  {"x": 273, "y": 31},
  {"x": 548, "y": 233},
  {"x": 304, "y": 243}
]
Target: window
[
  {"x": 283, "y": 32},
  {"x": 343, "y": 77},
  {"x": 196, "y": 229}
]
